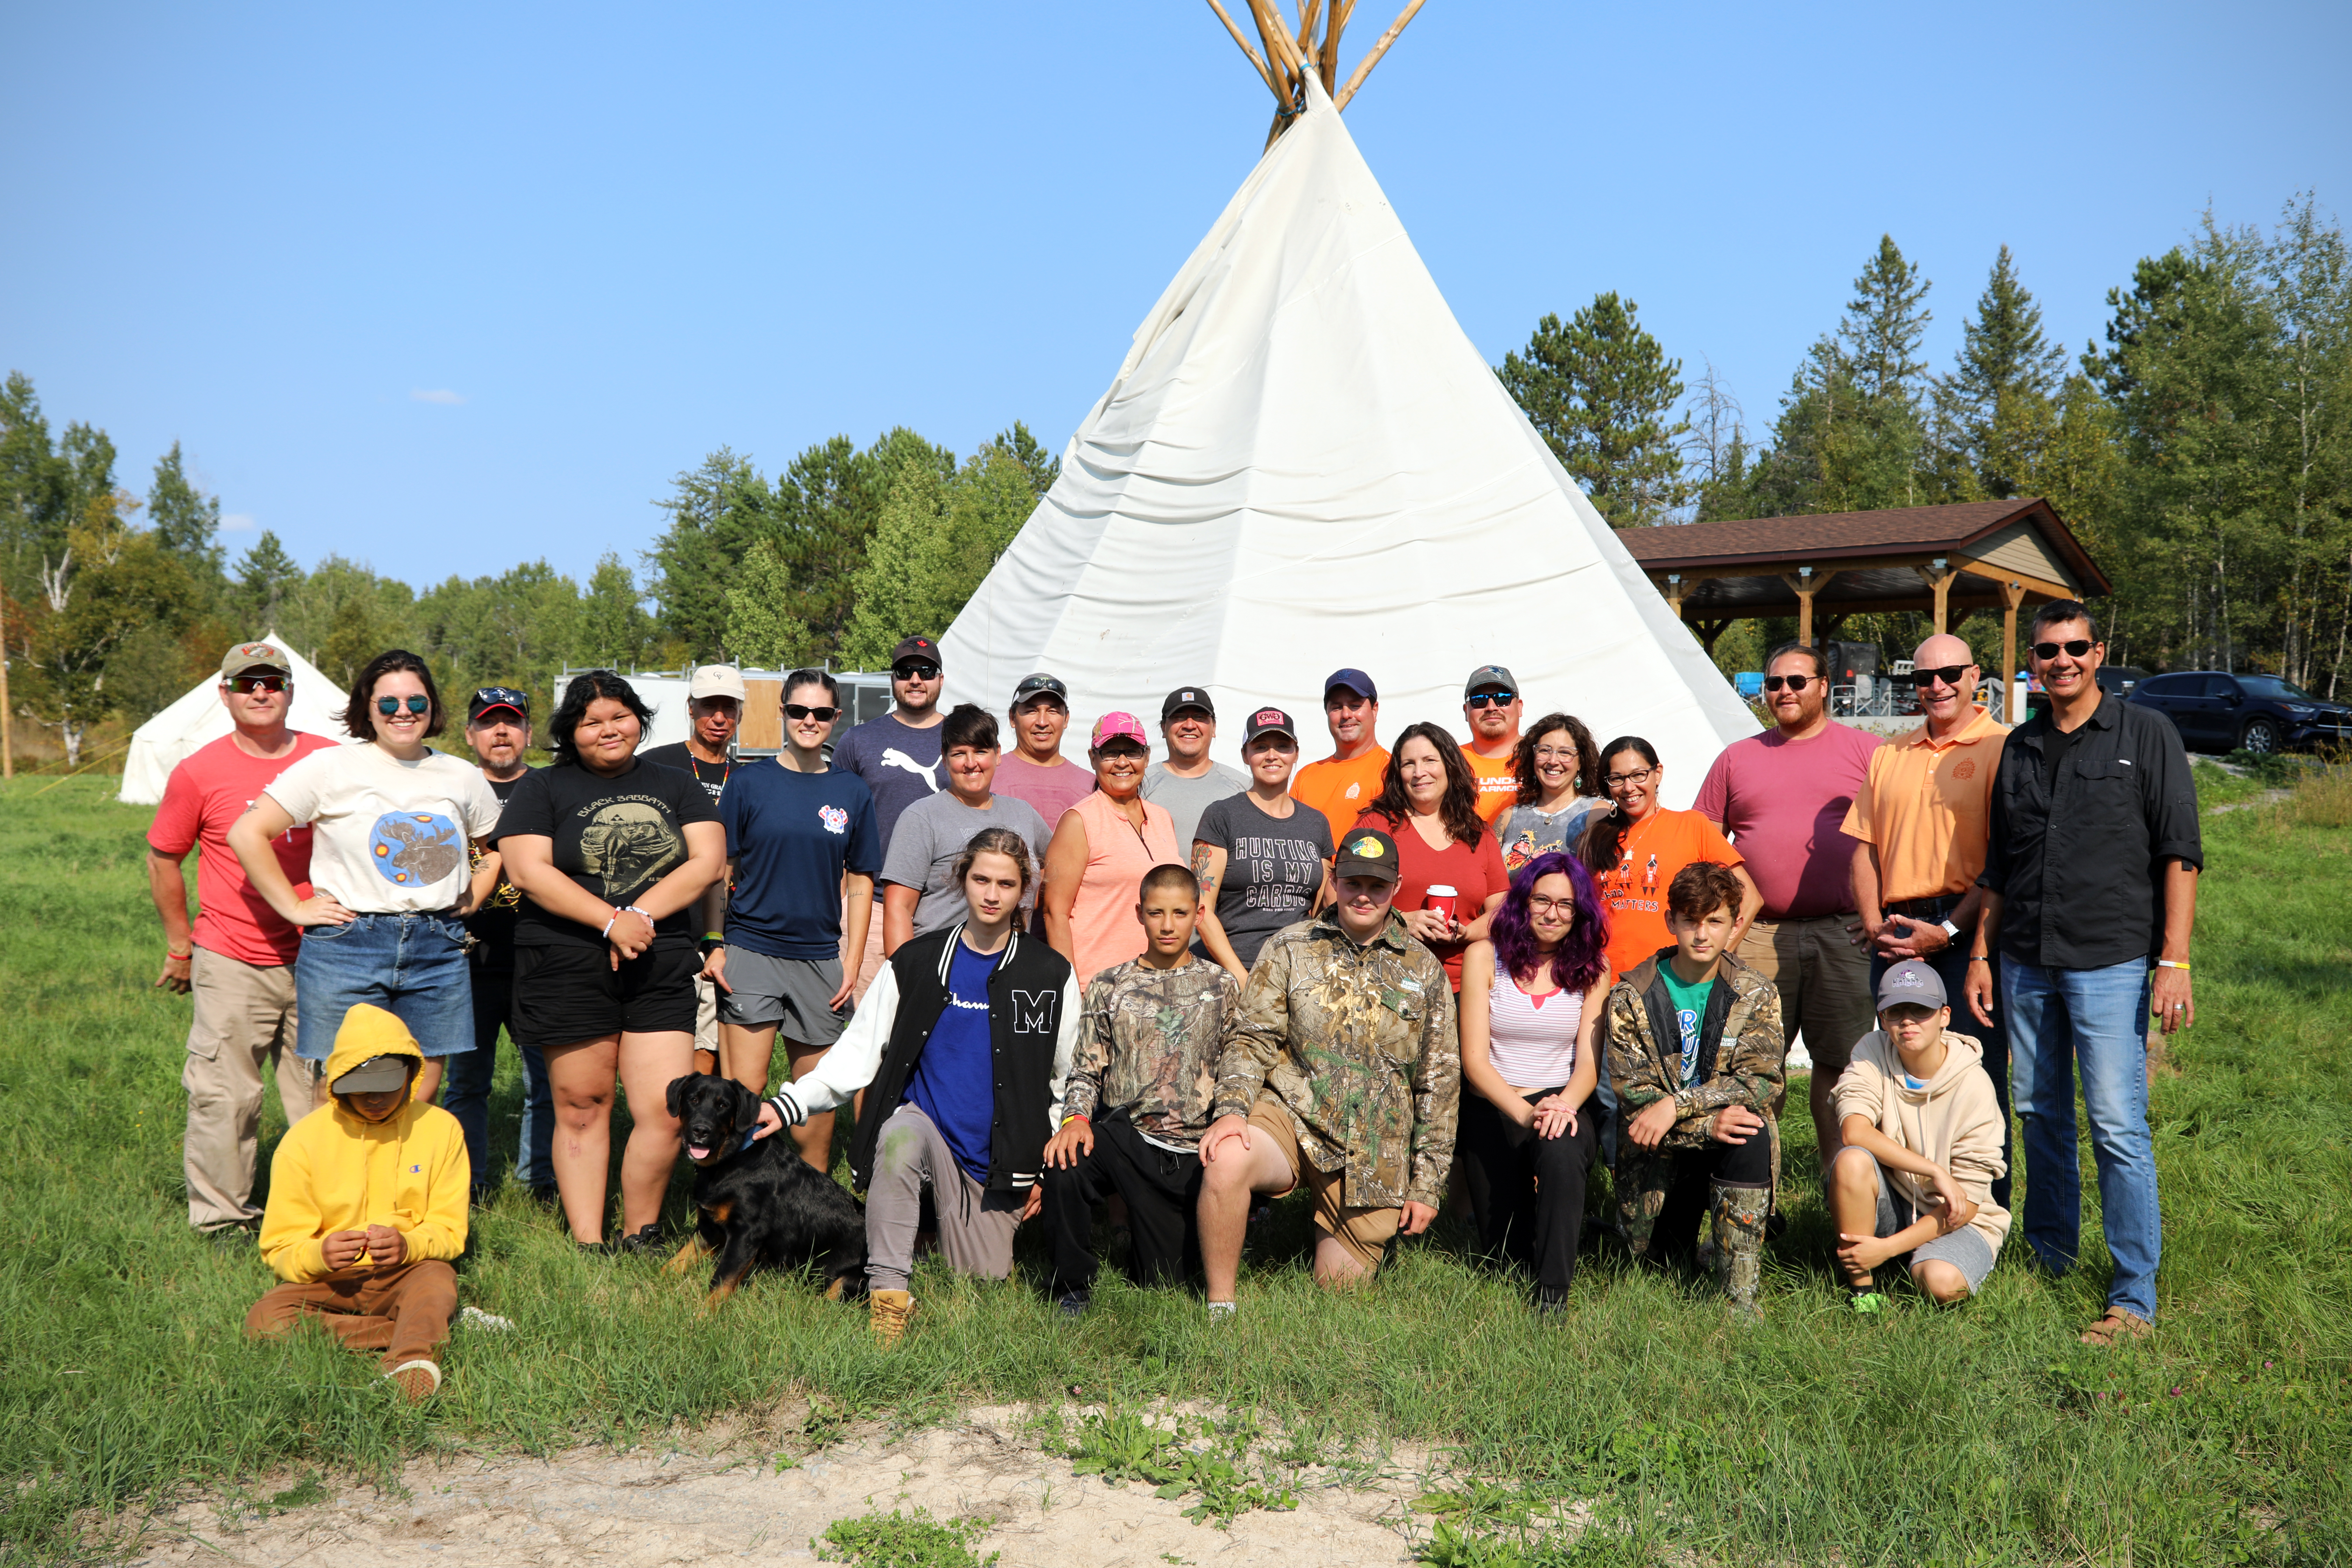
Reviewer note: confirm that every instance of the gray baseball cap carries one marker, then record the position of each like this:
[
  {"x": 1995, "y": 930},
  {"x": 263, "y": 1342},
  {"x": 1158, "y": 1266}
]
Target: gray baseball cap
[{"x": 1911, "y": 984}]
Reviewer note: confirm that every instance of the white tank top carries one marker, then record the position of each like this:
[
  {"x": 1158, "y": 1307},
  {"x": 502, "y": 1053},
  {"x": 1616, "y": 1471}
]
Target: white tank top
[{"x": 1534, "y": 1042}]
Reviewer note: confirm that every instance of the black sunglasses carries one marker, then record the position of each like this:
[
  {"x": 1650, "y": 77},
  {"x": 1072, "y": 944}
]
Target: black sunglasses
[
  {"x": 1948, "y": 674},
  {"x": 802, "y": 710},
  {"x": 388, "y": 706},
  {"x": 251, "y": 683},
  {"x": 2074, "y": 649},
  {"x": 916, "y": 669},
  {"x": 1490, "y": 699},
  {"x": 1793, "y": 682}
]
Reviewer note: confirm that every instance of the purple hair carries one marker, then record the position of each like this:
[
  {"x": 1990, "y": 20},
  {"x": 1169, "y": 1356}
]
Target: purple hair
[{"x": 1577, "y": 963}]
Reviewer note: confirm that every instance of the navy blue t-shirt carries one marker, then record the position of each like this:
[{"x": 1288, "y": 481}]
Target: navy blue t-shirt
[
  {"x": 953, "y": 1081},
  {"x": 790, "y": 836}
]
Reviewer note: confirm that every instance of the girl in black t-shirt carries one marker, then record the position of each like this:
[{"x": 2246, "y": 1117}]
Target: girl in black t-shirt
[{"x": 612, "y": 854}]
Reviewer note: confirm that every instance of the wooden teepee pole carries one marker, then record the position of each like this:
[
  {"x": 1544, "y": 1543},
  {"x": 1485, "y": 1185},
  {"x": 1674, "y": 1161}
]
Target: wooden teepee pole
[
  {"x": 1380, "y": 49},
  {"x": 1308, "y": 11},
  {"x": 1256, "y": 63},
  {"x": 1274, "y": 36},
  {"x": 1329, "y": 62}
]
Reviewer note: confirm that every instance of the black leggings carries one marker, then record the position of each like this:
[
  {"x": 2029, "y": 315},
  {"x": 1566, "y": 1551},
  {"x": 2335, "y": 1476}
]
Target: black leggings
[{"x": 1527, "y": 1191}]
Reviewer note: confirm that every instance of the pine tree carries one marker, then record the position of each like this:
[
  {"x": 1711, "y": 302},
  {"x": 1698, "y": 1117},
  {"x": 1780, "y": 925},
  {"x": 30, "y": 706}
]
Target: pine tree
[
  {"x": 187, "y": 521},
  {"x": 1602, "y": 391},
  {"x": 761, "y": 629},
  {"x": 265, "y": 575},
  {"x": 2001, "y": 387},
  {"x": 1885, "y": 322}
]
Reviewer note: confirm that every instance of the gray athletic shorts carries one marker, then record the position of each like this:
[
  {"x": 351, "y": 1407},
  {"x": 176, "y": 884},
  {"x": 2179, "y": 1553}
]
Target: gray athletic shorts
[
  {"x": 793, "y": 994},
  {"x": 1965, "y": 1248}
]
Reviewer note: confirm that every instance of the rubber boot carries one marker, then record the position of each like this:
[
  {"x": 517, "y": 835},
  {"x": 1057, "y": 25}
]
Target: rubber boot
[{"x": 1739, "y": 1215}]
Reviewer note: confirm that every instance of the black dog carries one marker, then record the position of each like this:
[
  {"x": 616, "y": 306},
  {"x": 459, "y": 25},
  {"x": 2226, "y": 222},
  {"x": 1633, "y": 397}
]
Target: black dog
[{"x": 758, "y": 1203}]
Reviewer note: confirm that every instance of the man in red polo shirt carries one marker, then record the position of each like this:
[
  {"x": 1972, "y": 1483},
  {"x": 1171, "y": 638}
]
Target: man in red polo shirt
[{"x": 238, "y": 959}]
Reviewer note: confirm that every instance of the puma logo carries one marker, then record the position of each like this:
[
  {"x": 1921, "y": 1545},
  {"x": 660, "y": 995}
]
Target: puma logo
[{"x": 892, "y": 757}]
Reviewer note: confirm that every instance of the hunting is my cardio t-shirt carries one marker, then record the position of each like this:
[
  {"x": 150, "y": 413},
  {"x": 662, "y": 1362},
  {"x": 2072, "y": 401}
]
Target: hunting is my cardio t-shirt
[
  {"x": 614, "y": 836},
  {"x": 388, "y": 837}
]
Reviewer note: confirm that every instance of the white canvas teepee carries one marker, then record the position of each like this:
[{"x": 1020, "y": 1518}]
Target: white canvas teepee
[
  {"x": 1305, "y": 464},
  {"x": 199, "y": 719}
]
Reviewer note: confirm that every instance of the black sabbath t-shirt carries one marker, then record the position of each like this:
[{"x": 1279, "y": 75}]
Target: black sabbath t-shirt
[{"x": 614, "y": 836}]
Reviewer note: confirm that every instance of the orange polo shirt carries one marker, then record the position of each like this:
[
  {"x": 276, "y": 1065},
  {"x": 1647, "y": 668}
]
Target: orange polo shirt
[
  {"x": 1498, "y": 786},
  {"x": 1342, "y": 791},
  {"x": 1927, "y": 809}
]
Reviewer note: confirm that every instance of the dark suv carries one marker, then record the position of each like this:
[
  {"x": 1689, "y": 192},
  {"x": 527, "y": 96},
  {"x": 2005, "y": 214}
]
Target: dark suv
[{"x": 2219, "y": 712}]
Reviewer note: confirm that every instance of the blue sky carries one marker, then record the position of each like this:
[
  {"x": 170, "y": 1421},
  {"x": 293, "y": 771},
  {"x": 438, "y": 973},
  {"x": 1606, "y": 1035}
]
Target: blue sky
[{"x": 446, "y": 287}]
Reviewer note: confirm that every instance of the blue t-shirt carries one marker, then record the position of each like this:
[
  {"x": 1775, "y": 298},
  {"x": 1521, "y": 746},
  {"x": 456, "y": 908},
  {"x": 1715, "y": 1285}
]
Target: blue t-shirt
[
  {"x": 790, "y": 836},
  {"x": 953, "y": 1082}
]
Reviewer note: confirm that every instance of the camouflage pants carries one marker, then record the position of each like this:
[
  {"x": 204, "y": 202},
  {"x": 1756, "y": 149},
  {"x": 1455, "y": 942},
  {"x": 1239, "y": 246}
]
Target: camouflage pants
[{"x": 1662, "y": 1193}]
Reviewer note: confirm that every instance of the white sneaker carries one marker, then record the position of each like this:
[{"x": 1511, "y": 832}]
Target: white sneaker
[{"x": 475, "y": 1317}]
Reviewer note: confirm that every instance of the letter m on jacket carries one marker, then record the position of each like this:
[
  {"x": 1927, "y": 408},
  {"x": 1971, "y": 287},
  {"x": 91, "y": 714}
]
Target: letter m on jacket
[{"x": 1032, "y": 1012}]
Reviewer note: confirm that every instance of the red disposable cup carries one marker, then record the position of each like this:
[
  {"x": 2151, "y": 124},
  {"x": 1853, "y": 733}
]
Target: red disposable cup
[{"x": 1442, "y": 900}]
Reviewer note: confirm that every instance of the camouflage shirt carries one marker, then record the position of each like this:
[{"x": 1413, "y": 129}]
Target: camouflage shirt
[
  {"x": 1149, "y": 1040},
  {"x": 1358, "y": 1040}
]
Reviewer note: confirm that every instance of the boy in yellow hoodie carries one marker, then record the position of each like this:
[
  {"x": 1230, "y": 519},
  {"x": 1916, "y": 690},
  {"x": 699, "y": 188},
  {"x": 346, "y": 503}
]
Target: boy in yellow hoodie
[
  {"x": 1923, "y": 1137},
  {"x": 367, "y": 1204}
]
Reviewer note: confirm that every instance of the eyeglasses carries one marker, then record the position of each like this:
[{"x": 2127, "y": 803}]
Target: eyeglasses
[
  {"x": 802, "y": 710},
  {"x": 247, "y": 684},
  {"x": 1948, "y": 674},
  {"x": 1555, "y": 754},
  {"x": 1490, "y": 699},
  {"x": 2073, "y": 649},
  {"x": 916, "y": 669},
  {"x": 388, "y": 706},
  {"x": 1793, "y": 682},
  {"x": 1537, "y": 904},
  {"x": 1613, "y": 780}
]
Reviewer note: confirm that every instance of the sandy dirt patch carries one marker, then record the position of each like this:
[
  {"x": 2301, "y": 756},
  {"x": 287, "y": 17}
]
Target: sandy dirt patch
[{"x": 644, "y": 1507}]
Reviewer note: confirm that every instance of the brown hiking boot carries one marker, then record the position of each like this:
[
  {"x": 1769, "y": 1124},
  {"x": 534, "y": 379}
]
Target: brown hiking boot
[
  {"x": 887, "y": 1313},
  {"x": 419, "y": 1380}
]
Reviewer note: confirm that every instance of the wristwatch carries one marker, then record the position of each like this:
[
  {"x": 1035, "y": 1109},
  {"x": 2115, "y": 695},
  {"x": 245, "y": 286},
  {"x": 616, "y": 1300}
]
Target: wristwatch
[{"x": 1951, "y": 931}]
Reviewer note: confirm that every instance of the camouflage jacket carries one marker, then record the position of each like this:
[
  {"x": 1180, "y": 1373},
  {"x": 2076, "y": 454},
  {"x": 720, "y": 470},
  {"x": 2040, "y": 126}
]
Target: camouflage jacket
[
  {"x": 1148, "y": 1041},
  {"x": 1358, "y": 1040},
  {"x": 1741, "y": 1050}
]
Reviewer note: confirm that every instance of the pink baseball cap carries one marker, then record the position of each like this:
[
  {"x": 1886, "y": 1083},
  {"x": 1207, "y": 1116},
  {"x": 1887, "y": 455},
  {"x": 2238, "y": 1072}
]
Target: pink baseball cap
[{"x": 1112, "y": 726}]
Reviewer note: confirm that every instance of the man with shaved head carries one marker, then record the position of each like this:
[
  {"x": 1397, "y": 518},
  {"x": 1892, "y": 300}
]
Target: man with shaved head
[{"x": 1924, "y": 819}]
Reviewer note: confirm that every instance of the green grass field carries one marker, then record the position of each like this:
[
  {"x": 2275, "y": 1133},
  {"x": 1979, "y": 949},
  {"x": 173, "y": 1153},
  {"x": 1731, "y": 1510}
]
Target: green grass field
[{"x": 1981, "y": 1435}]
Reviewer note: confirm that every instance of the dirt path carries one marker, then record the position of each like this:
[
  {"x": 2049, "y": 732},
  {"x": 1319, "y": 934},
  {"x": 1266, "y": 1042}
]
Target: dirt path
[{"x": 643, "y": 1509}]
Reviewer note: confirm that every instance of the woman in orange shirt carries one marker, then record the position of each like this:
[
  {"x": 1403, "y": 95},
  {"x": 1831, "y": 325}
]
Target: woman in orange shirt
[
  {"x": 1635, "y": 848},
  {"x": 1099, "y": 852}
]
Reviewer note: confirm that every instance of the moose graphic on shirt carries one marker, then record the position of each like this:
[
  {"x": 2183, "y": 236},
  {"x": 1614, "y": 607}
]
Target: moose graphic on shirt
[{"x": 415, "y": 849}]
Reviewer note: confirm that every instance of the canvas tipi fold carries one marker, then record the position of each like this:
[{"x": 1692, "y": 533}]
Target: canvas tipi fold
[
  {"x": 1304, "y": 463},
  {"x": 198, "y": 719}
]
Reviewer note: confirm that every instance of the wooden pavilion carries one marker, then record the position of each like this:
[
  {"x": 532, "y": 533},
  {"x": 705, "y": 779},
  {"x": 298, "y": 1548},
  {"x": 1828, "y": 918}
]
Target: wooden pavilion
[{"x": 1942, "y": 561}]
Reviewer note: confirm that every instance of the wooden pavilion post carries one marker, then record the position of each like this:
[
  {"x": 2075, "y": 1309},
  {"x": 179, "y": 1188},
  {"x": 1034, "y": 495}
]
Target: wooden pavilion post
[
  {"x": 2012, "y": 697},
  {"x": 1675, "y": 592},
  {"x": 1805, "y": 583},
  {"x": 1939, "y": 576}
]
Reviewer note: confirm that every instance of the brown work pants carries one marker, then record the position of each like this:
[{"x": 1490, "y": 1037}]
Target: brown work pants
[
  {"x": 244, "y": 1023},
  {"x": 403, "y": 1311}
]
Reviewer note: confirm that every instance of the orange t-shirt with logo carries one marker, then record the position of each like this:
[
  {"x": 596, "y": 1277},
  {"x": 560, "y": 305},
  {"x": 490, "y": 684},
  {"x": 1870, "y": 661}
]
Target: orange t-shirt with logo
[
  {"x": 1634, "y": 889},
  {"x": 1498, "y": 785},
  {"x": 1342, "y": 791}
]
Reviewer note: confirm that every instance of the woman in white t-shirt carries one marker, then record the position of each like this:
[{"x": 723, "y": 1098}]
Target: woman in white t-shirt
[
  {"x": 1531, "y": 1004},
  {"x": 391, "y": 819}
]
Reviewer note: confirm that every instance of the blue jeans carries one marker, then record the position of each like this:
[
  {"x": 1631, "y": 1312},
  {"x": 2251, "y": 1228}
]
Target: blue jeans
[
  {"x": 413, "y": 966},
  {"x": 2096, "y": 1019},
  {"x": 1951, "y": 967},
  {"x": 466, "y": 1091}
]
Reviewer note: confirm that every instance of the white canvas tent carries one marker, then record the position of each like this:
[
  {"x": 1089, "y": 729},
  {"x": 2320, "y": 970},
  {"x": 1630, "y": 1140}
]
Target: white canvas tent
[
  {"x": 1304, "y": 463},
  {"x": 198, "y": 719}
]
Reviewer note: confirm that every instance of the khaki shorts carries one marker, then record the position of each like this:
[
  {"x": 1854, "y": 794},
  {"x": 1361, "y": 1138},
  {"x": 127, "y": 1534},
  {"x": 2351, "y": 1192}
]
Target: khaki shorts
[
  {"x": 1365, "y": 1233},
  {"x": 1825, "y": 984}
]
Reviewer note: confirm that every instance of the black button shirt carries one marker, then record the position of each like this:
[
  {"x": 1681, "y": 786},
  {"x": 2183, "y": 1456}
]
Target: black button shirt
[{"x": 2078, "y": 850}]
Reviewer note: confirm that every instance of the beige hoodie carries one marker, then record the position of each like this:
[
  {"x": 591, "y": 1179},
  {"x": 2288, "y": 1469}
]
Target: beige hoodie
[{"x": 1955, "y": 1121}]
